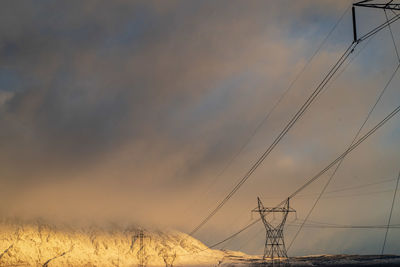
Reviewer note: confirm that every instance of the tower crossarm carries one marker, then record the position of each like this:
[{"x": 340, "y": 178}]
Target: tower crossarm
[
  {"x": 274, "y": 249},
  {"x": 390, "y": 5},
  {"x": 270, "y": 210}
]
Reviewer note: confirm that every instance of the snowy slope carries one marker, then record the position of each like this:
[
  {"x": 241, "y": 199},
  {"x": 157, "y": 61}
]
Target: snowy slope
[{"x": 38, "y": 244}]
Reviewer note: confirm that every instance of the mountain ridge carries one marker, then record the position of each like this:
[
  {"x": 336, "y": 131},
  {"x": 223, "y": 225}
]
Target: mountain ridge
[{"x": 42, "y": 244}]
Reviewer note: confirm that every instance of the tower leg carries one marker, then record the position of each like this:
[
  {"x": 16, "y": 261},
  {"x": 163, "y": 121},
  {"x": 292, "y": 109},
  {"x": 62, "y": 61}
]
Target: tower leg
[{"x": 274, "y": 251}]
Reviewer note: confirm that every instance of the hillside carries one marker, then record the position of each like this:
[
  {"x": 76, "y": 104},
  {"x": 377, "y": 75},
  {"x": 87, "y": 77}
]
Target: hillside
[{"x": 40, "y": 244}]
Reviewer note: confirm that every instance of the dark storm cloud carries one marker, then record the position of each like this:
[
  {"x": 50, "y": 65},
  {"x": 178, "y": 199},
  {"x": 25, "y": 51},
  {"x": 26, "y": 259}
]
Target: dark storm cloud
[{"x": 89, "y": 76}]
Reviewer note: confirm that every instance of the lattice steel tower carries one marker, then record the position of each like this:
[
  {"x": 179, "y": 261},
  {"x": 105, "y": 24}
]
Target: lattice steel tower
[
  {"x": 275, "y": 250},
  {"x": 141, "y": 252}
]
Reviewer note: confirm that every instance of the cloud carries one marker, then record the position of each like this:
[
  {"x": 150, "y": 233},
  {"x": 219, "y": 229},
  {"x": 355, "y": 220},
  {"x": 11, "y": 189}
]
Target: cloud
[
  {"x": 5, "y": 96},
  {"x": 128, "y": 111}
]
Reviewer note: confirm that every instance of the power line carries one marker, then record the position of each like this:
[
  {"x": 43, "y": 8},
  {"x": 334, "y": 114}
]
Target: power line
[
  {"x": 343, "y": 225},
  {"x": 354, "y": 139},
  {"x": 251, "y": 238},
  {"x": 362, "y": 139},
  {"x": 294, "y": 119},
  {"x": 226, "y": 239},
  {"x": 379, "y": 28},
  {"x": 355, "y": 145},
  {"x": 359, "y": 194},
  {"x": 276, "y": 104},
  {"x": 351, "y": 187},
  {"x": 349, "y": 226},
  {"x": 390, "y": 214},
  {"x": 351, "y": 148},
  {"x": 356, "y": 55},
  {"x": 352, "y": 59},
  {"x": 341, "y": 160},
  {"x": 269, "y": 113},
  {"x": 280, "y": 99},
  {"x": 314, "y": 224},
  {"x": 348, "y": 195},
  {"x": 391, "y": 34},
  {"x": 328, "y": 197}
]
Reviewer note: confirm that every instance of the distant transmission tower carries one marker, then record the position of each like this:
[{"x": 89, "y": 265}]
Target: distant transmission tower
[
  {"x": 141, "y": 252},
  {"x": 275, "y": 250}
]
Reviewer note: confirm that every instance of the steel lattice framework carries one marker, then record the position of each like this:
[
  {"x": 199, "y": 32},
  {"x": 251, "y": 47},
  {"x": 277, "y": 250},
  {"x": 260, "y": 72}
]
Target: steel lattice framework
[
  {"x": 275, "y": 250},
  {"x": 385, "y": 5},
  {"x": 390, "y": 5},
  {"x": 141, "y": 252}
]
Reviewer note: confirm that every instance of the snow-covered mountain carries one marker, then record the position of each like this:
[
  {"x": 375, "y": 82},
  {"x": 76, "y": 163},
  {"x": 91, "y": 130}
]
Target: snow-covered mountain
[{"x": 40, "y": 244}]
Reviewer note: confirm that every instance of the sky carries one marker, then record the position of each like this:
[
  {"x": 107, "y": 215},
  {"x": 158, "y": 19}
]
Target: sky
[{"x": 136, "y": 111}]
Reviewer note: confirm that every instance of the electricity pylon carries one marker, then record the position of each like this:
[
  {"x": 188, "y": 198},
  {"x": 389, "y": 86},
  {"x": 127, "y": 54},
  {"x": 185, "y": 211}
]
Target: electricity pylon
[
  {"x": 275, "y": 250},
  {"x": 141, "y": 252},
  {"x": 384, "y": 5}
]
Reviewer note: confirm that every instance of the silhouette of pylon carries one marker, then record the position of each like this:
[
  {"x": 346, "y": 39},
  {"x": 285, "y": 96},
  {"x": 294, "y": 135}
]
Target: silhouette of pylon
[
  {"x": 141, "y": 252},
  {"x": 275, "y": 253}
]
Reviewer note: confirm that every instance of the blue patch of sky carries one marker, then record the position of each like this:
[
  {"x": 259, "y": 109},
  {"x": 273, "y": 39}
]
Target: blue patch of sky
[
  {"x": 391, "y": 136},
  {"x": 127, "y": 31},
  {"x": 212, "y": 104},
  {"x": 221, "y": 95},
  {"x": 82, "y": 33},
  {"x": 144, "y": 21},
  {"x": 10, "y": 80},
  {"x": 314, "y": 27},
  {"x": 379, "y": 47},
  {"x": 370, "y": 59},
  {"x": 9, "y": 49},
  {"x": 131, "y": 30}
]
